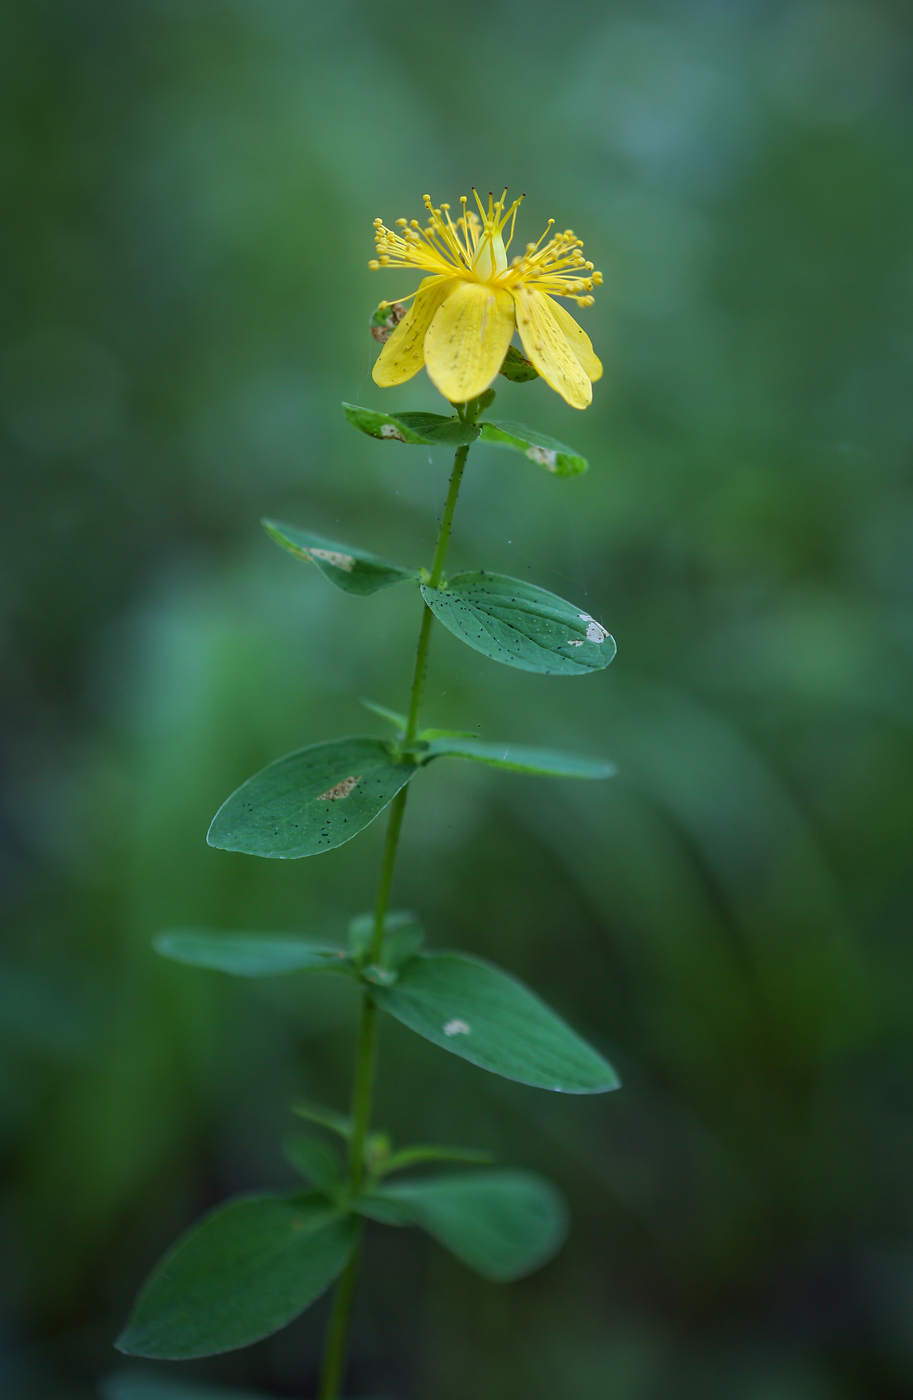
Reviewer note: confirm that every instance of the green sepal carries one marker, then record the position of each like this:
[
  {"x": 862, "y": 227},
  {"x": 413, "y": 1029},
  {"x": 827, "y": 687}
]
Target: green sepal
[
  {"x": 310, "y": 801},
  {"x": 241, "y": 1273},
  {"x": 393, "y": 717},
  {"x": 545, "y": 451},
  {"x": 517, "y": 367},
  {"x": 251, "y": 954},
  {"x": 316, "y": 1162},
  {"x": 485, "y": 1016},
  {"x": 514, "y": 622},
  {"x": 350, "y": 569},
  {"x": 514, "y": 757},
  {"x": 501, "y": 1224},
  {"x": 420, "y": 1153},
  {"x": 385, "y": 319},
  {"x": 424, "y": 429},
  {"x": 403, "y": 936}
]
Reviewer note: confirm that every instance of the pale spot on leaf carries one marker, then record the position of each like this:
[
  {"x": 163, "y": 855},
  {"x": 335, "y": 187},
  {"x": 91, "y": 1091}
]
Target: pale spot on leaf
[
  {"x": 544, "y": 456},
  {"x": 456, "y": 1028},
  {"x": 334, "y": 794},
  {"x": 330, "y": 556},
  {"x": 390, "y": 430}
]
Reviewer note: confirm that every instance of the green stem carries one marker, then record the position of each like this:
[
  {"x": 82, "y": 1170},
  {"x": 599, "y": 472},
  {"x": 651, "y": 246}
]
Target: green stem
[{"x": 366, "y": 1045}]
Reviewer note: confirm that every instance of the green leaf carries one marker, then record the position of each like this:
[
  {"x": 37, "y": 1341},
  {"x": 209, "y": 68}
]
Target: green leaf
[
  {"x": 311, "y": 800},
  {"x": 413, "y": 1156},
  {"x": 353, "y": 570},
  {"x": 250, "y": 954},
  {"x": 137, "y": 1385},
  {"x": 502, "y": 1224},
  {"x": 517, "y": 367},
  {"x": 517, "y": 758},
  {"x": 521, "y": 625},
  {"x": 428, "y": 735},
  {"x": 398, "y": 721},
  {"x": 545, "y": 451},
  {"x": 482, "y": 1014},
  {"x": 326, "y": 1117},
  {"x": 428, "y": 429},
  {"x": 403, "y": 936},
  {"x": 243, "y": 1272},
  {"x": 316, "y": 1162}
]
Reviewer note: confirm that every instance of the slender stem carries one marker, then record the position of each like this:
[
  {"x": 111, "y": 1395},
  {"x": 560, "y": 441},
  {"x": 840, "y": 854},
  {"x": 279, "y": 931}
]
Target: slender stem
[
  {"x": 337, "y": 1331},
  {"x": 437, "y": 569},
  {"x": 366, "y": 1045}
]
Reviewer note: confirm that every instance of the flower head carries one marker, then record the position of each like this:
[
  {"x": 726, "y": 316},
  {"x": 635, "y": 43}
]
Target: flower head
[{"x": 472, "y": 299}]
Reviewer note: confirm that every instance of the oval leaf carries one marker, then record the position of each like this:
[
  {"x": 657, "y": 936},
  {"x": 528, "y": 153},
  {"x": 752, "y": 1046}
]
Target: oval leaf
[
  {"x": 310, "y": 801},
  {"x": 475, "y": 1010},
  {"x": 518, "y": 759},
  {"x": 353, "y": 570},
  {"x": 502, "y": 1224},
  {"x": 521, "y": 625},
  {"x": 545, "y": 451},
  {"x": 428, "y": 429},
  {"x": 245, "y": 1271},
  {"x": 250, "y": 954}
]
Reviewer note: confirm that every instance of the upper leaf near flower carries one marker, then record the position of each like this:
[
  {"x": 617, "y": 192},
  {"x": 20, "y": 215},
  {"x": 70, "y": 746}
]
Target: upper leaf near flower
[{"x": 472, "y": 299}]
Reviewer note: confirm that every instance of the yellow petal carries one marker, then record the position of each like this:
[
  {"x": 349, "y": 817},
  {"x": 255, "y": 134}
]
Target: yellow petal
[
  {"x": 548, "y": 347},
  {"x": 579, "y": 341},
  {"x": 402, "y": 355},
  {"x": 468, "y": 339}
]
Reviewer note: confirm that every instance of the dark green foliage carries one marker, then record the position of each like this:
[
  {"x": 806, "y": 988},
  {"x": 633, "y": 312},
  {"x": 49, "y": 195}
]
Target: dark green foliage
[
  {"x": 426, "y": 429},
  {"x": 515, "y": 757},
  {"x": 311, "y": 800},
  {"x": 501, "y": 1224},
  {"x": 485, "y": 1016},
  {"x": 521, "y": 625},
  {"x": 350, "y": 569},
  {"x": 545, "y": 451},
  {"x": 316, "y": 1162},
  {"x": 250, "y": 954},
  {"x": 240, "y": 1274}
]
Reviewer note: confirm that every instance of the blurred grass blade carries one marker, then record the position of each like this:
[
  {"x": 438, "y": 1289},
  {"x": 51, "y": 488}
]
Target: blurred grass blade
[
  {"x": 428, "y": 429},
  {"x": 518, "y": 758},
  {"x": 521, "y": 625},
  {"x": 245, "y": 1271},
  {"x": 545, "y": 451},
  {"x": 353, "y": 570},
  {"x": 501, "y": 1224},
  {"x": 310, "y": 801},
  {"x": 482, "y": 1014},
  {"x": 250, "y": 954}
]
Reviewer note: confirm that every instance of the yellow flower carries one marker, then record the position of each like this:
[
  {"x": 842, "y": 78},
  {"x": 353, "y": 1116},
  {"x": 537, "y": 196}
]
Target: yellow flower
[{"x": 472, "y": 300}]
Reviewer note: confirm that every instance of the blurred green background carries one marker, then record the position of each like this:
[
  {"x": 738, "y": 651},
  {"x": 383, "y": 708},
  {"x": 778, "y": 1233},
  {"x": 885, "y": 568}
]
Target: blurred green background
[{"x": 187, "y": 190}]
